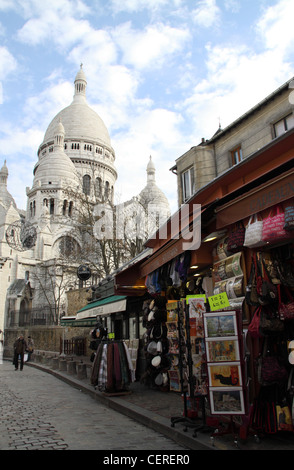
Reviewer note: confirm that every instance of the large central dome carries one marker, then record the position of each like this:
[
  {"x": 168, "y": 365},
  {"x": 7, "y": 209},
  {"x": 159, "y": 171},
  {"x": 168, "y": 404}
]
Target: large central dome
[{"x": 79, "y": 120}]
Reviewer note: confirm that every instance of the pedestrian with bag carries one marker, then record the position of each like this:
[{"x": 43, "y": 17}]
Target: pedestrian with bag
[
  {"x": 30, "y": 348},
  {"x": 20, "y": 347}
]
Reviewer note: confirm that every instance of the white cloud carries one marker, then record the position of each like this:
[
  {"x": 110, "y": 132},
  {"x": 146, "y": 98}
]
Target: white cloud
[
  {"x": 150, "y": 47},
  {"x": 206, "y": 14},
  {"x": 132, "y": 6},
  {"x": 153, "y": 132},
  {"x": 41, "y": 108},
  {"x": 238, "y": 77},
  {"x": 7, "y": 62},
  {"x": 276, "y": 26}
]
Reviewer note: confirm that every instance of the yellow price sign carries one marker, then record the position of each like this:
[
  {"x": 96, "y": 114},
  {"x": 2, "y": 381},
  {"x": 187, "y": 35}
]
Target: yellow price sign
[
  {"x": 197, "y": 296},
  {"x": 218, "y": 301}
]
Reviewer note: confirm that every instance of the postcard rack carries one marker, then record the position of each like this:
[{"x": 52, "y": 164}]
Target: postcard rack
[
  {"x": 225, "y": 366},
  {"x": 185, "y": 369}
]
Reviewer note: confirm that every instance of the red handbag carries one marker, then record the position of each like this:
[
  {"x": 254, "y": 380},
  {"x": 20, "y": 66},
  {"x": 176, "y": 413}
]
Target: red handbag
[
  {"x": 285, "y": 310},
  {"x": 273, "y": 226},
  {"x": 236, "y": 238},
  {"x": 253, "y": 328}
]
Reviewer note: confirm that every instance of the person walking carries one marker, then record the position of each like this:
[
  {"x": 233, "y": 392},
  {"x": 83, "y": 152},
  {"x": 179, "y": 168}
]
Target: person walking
[
  {"x": 30, "y": 347},
  {"x": 20, "y": 347},
  {"x": 1, "y": 346}
]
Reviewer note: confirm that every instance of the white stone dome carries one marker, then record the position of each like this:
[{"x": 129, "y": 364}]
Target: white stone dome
[
  {"x": 152, "y": 194},
  {"x": 56, "y": 166},
  {"x": 5, "y": 196},
  {"x": 79, "y": 120}
]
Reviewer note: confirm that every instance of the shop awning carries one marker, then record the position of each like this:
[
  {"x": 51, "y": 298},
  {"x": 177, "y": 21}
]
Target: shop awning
[
  {"x": 274, "y": 191},
  {"x": 112, "y": 304}
]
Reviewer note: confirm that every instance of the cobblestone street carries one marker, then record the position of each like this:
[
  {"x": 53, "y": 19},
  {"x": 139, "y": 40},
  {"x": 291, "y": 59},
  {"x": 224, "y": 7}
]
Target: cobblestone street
[{"x": 39, "y": 411}]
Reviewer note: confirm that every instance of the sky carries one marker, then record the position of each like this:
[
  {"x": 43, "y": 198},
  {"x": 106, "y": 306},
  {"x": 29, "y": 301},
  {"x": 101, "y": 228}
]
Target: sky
[{"x": 162, "y": 74}]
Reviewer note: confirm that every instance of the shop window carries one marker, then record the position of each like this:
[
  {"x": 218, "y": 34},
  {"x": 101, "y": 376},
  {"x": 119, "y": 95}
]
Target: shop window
[
  {"x": 283, "y": 125},
  {"x": 188, "y": 183},
  {"x": 237, "y": 155}
]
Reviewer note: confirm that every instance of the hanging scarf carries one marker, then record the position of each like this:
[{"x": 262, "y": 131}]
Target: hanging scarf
[
  {"x": 102, "y": 377},
  {"x": 117, "y": 369}
]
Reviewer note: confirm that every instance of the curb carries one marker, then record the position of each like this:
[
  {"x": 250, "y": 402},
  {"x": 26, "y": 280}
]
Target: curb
[{"x": 143, "y": 416}]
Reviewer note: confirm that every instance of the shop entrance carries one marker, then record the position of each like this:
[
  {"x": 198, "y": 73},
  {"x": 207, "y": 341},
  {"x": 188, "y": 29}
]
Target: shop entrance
[{"x": 118, "y": 329}]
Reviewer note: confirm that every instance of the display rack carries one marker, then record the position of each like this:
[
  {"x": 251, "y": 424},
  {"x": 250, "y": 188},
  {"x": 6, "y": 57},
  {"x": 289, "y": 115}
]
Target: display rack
[
  {"x": 112, "y": 370},
  {"x": 186, "y": 367},
  {"x": 225, "y": 367}
]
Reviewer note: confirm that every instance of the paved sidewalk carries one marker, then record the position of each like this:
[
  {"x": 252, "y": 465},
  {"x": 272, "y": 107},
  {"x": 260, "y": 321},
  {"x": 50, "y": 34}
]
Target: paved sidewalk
[
  {"x": 154, "y": 409},
  {"x": 40, "y": 412}
]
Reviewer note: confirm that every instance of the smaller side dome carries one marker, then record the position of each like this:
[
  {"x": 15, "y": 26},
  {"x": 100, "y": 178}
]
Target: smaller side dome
[
  {"x": 56, "y": 166},
  {"x": 5, "y": 196},
  {"x": 152, "y": 194}
]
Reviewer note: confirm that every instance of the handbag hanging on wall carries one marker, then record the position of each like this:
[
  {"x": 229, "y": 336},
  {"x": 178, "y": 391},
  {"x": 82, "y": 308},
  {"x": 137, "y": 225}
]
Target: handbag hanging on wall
[
  {"x": 236, "y": 238},
  {"x": 270, "y": 324},
  {"x": 286, "y": 310},
  {"x": 251, "y": 296},
  {"x": 253, "y": 232},
  {"x": 266, "y": 290},
  {"x": 273, "y": 226},
  {"x": 289, "y": 217},
  {"x": 253, "y": 328},
  {"x": 270, "y": 365}
]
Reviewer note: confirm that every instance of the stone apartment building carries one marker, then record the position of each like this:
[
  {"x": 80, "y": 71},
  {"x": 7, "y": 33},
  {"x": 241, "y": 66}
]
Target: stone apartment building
[{"x": 251, "y": 132}]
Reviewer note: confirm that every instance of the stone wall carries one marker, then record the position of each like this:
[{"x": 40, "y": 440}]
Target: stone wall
[
  {"x": 77, "y": 299},
  {"x": 45, "y": 338}
]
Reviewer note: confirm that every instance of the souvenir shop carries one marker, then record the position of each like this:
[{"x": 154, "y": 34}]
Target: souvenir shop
[{"x": 220, "y": 320}]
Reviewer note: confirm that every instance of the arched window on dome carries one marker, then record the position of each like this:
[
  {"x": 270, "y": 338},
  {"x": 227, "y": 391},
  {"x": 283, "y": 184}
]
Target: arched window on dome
[
  {"x": 70, "y": 208},
  {"x": 51, "y": 209},
  {"x": 98, "y": 187},
  {"x": 107, "y": 191},
  {"x": 45, "y": 202},
  {"x": 64, "y": 207},
  {"x": 86, "y": 185}
]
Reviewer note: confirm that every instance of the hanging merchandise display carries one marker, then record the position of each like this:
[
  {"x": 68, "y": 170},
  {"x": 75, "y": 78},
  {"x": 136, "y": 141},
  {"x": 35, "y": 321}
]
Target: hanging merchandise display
[
  {"x": 289, "y": 216},
  {"x": 112, "y": 370},
  {"x": 236, "y": 238},
  {"x": 157, "y": 346},
  {"x": 192, "y": 376},
  {"x": 285, "y": 308},
  {"x": 225, "y": 371},
  {"x": 228, "y": 276},
  {"x": 253, "y": 232},
  {"x": 272, "y": 332},
  {"x": 273, "y": 226}
]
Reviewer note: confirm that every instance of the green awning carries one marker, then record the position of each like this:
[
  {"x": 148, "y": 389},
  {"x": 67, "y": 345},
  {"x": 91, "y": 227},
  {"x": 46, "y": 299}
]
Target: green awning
[{"x": 112, "y": 304}]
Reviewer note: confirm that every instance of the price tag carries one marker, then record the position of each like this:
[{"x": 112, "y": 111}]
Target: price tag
[
  {"x": 198, "y": 296},
  {"x": 219, "y": 301},
  {"x": 111, "y": 335}
]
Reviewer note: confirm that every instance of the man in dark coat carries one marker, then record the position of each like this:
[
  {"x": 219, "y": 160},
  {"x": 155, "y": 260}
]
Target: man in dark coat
[{"x": 20, "y": 347}]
